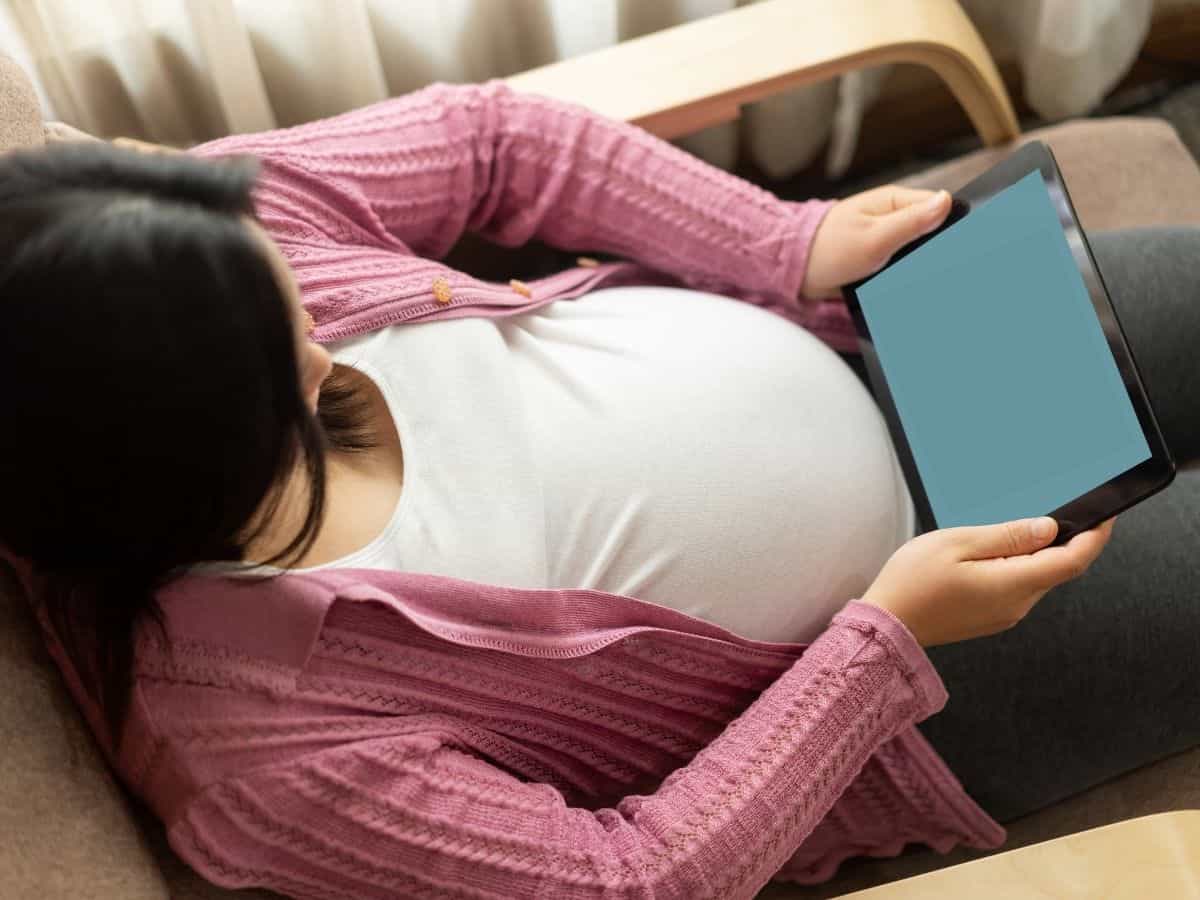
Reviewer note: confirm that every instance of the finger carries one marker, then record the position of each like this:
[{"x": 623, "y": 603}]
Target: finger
[
  {"x": 1055, "y": 565},
  {"x": 142, "y": 146},
  {"x": 130, "y": 144},
  {"x": 907, "y": 223},
  {"x": 1014, "y": 538},
  {"x": 889, "y": 198}
]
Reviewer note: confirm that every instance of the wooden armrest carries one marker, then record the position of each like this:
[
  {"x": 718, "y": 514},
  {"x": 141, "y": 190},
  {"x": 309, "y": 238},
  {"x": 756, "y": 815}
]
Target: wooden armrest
[
  {"x": 1153, "y": 856},
  {"x": 682, "y": 79}
]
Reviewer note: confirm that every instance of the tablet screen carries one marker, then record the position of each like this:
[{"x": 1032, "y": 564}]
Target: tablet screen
[{"x": 1009, "y": 395}]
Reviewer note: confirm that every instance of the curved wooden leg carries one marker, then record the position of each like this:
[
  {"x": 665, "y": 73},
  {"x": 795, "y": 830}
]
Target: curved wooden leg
[{"x": 681, "y": 79}]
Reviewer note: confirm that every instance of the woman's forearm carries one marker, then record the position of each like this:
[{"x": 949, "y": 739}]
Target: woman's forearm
[
  {"x": 415, "y": 812},
  {"x": 415, "y": 172}
]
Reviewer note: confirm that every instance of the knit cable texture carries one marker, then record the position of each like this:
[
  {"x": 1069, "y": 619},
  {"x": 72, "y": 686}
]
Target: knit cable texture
[{"x": 650, "y": 762}]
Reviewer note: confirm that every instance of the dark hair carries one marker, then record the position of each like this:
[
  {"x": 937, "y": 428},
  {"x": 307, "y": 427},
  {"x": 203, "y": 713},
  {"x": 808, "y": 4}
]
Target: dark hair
[{"x": 152, "y": 404}]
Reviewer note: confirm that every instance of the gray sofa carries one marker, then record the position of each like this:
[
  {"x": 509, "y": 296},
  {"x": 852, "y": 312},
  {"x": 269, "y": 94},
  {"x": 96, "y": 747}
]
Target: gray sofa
[{"x": 69, "y": 830}]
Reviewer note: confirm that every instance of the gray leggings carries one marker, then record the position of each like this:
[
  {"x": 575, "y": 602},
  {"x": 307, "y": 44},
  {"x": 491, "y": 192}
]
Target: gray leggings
[{"x": 1104, "y": 675}]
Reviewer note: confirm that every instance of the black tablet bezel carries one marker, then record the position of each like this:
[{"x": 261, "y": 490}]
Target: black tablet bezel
[{"x": 1117, "y": 493}]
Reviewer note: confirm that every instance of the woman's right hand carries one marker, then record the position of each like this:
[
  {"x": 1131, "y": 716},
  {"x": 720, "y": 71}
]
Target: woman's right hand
[{"x": 958, "y": 583}]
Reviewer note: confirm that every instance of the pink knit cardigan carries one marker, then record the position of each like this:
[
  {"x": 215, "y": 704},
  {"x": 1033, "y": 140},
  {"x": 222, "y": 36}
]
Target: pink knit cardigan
[{"x": 368, "y": 734}]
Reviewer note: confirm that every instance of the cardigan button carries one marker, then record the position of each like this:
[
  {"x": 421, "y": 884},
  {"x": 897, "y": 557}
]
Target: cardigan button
[
  {"x": 520, "y": 287},
  {"x": 586, "y": 262},
  {"x": 441, "y": 291}
]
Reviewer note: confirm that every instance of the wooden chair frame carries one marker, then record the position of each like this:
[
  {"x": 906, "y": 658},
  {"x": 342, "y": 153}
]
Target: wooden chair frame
[
  {"x": 683, "y": 79},
  {"x": 680, "y": 80}
]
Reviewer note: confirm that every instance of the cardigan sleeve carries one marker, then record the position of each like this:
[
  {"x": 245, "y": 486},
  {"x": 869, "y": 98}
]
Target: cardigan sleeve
[
  {"x": 413, "y": 173},
  {"x": 415, "y": 814}
]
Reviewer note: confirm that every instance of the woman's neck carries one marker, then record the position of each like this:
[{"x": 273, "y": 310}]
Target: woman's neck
[{"x": 362, "y": 489}]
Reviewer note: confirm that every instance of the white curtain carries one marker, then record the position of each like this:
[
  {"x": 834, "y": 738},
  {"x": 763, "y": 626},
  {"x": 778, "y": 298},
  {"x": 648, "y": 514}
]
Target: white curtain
[{"x": 182, "y": 71}]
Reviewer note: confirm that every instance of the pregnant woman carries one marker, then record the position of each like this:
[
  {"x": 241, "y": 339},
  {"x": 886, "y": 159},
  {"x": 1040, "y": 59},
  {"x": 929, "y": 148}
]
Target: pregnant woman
[{"x": 375, "y": 579}]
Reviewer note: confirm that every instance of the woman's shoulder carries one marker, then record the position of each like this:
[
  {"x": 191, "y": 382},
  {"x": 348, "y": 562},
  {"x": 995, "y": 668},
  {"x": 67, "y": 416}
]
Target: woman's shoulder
[{"x": 265, "y": 630}]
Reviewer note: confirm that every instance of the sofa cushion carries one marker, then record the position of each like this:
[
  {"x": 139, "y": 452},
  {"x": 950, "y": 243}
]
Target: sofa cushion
[
  {"x": 20, "y": 119},
  {"x": 66, "y": 825},
  {"x": 1122, "y": 172}
]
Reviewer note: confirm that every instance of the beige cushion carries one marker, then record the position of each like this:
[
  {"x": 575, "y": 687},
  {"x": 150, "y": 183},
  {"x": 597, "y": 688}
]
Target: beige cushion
[
  {"x": 20, "y": 119},
  {"x": 1121, "y": 172},
  {"x": 66, "y": 827}
]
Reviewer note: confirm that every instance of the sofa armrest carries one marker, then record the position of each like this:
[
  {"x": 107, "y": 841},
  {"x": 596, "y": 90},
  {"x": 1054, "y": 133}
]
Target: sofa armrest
[{"x": 682, "y": 79}]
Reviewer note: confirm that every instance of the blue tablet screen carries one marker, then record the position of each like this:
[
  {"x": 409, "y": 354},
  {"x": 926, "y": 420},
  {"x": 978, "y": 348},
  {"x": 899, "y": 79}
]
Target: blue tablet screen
[{"x": 1009, "y": 395}]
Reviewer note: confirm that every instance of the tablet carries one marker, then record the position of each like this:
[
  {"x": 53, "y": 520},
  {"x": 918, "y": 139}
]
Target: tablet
[{"x": 1000, "y": 366}]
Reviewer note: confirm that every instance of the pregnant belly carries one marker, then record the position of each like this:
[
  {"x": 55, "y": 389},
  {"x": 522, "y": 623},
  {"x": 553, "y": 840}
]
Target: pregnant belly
[{"x": 705, "y": 454}]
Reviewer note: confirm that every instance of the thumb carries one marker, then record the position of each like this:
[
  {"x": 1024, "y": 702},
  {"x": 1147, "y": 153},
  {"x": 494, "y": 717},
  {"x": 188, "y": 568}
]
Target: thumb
[
  {"x": 1015, "y": 538},
  {"x": 909, "y": 222}
]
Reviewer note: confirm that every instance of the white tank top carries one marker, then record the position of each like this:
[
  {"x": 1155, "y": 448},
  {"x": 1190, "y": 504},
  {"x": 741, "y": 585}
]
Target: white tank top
[{"x": 671, "y": 445}]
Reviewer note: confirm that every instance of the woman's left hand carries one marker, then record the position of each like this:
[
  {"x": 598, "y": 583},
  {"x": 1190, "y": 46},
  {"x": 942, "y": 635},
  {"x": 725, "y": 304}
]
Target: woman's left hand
[{"x": 859, "y": 234}]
